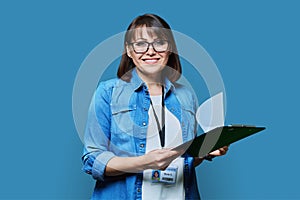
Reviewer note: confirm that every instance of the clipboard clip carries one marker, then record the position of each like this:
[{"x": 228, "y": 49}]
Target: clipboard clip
[{"x": 242, "y": 125}]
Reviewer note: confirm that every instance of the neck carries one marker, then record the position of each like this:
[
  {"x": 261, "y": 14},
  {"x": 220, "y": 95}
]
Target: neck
[
  {"x": 150, "y": 78},
  {"x": 154, "y": 88},
  {"x": 153, "y": 82}
]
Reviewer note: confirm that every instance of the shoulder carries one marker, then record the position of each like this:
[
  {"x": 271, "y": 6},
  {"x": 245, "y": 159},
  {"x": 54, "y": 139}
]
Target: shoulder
[
  {"x": 112, "y": 87},
  {"x": 108, "y": 84},
  {"x": 186, "y": 96},
  {"x": 105, "y": 88}
]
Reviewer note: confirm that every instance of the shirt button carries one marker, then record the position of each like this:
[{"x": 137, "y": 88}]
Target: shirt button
[
  {"x": 139, "y": 189},
  {"x": 144, "y": 123},
  {"x": 142, "y": 145}
]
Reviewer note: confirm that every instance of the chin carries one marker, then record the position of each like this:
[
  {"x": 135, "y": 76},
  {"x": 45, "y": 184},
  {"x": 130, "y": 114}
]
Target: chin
[
  {"x": 151, "y": 69},
  {"x": 153, "y": 65}
]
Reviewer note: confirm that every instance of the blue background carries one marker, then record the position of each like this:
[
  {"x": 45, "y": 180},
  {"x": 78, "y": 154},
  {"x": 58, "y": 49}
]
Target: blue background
[{"x": 255, "y": 45}]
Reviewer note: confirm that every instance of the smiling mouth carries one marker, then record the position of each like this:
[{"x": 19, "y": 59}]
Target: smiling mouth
[{"x": 151, "y": 60}]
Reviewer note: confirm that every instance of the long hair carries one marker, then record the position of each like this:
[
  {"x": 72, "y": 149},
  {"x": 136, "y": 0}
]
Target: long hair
[{"x": 160, "y": 28}]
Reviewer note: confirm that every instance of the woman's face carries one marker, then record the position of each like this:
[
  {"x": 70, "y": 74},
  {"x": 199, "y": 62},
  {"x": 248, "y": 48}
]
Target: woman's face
[{"x": 149, "y": 61}]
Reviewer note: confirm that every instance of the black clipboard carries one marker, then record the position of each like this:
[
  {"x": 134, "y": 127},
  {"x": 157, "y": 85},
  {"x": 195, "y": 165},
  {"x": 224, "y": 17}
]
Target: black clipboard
[{"x": 217, "y": 138}]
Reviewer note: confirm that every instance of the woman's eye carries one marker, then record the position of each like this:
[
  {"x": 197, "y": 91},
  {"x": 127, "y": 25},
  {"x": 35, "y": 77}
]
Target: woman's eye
[
  {"x": 160, "y": 42},
  {"x": 141, "y": 44}
]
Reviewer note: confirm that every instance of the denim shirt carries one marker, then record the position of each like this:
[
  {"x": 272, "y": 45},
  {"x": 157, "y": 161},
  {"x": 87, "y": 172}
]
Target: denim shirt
[{"x": 117, "y": 126}]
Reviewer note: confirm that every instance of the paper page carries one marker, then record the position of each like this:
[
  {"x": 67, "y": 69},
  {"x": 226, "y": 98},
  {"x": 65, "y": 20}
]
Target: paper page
[{"x": 210, "y": 114}]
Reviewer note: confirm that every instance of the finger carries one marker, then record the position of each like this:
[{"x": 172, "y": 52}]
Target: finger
[
  {"x": 226, "y": 148},
  {"x": 223, "y": 151}
]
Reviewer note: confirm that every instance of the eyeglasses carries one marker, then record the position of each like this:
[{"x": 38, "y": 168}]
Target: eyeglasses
[{"x": 159, "y": 46}]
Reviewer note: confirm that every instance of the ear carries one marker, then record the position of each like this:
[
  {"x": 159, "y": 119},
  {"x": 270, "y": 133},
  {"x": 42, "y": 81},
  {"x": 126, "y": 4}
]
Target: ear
[{"x": 128, "y": 51}]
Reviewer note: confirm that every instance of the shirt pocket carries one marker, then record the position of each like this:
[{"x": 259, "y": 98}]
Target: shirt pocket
[
  {"x": 122, "y": 119},
  {"x": 122, "y": 140}
]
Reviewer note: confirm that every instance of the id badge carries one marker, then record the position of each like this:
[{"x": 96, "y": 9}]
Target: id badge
[{"x": 167, "y": 176}]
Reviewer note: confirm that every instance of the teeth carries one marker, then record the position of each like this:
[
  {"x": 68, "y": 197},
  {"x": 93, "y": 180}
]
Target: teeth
[{"x": 150, "y": 61}]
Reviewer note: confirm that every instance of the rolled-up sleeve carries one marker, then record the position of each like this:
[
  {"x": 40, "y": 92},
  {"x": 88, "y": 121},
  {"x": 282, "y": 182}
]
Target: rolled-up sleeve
[
  {"x": 97, "y": 134},
  {"x": 100, "y": 164}
]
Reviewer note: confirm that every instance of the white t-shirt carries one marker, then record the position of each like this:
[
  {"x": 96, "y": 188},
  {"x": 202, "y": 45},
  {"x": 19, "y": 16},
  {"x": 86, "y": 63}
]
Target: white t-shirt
[{"x": 173, "y": 138}]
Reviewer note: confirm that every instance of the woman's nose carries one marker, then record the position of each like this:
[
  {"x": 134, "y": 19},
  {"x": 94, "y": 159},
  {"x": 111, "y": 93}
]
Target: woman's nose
[{"x": 151, "y": 50}]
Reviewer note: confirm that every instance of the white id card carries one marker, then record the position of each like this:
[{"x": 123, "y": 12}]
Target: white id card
[{"x": 167, "y": 176}]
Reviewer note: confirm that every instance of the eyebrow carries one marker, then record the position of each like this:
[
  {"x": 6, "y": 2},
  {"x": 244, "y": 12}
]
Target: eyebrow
[
  {"x": 144, "y": 39},
  {"x": 141, "y": 39}
]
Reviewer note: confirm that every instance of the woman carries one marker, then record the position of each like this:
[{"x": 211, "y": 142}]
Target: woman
[{"x": 136, "y": 119}]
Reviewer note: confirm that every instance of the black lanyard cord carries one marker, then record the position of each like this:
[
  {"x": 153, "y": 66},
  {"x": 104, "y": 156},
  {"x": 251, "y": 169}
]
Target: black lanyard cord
[{"x": 160, "y": 130}]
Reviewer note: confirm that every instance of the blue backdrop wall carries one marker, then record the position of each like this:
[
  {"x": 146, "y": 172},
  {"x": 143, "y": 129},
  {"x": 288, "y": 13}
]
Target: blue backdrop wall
[{"x": 255, "y": 45}]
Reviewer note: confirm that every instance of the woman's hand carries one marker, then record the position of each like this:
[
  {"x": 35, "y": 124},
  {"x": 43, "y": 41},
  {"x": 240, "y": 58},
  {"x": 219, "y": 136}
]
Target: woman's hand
[
  {"x": 160, "y": 158},
  {"x": 156, "y": 159},
  {"x": 219, "y": 152}
]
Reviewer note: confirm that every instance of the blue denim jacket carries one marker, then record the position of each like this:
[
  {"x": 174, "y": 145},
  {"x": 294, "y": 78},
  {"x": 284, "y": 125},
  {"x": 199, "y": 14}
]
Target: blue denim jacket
[{"x": 117, "y": 126}]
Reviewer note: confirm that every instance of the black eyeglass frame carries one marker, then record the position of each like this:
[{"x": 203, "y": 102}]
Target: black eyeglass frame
[{"x": 149, "y": 43}]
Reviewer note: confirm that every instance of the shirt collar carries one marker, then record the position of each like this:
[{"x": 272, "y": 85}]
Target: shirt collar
[
  {"x": 138, "y": 82},
  {"x": 169, "y": 86}
]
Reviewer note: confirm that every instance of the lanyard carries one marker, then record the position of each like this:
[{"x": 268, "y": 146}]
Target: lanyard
[{"x": 160, "y": 130}]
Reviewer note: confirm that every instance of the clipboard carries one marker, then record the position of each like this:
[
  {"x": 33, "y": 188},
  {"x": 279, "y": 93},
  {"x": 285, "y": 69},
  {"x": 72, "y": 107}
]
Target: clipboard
[{"x": 217, "y": 138}]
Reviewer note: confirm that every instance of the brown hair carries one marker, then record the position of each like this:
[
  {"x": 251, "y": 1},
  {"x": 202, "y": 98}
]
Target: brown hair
[{"x": 163, "y": 30}]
